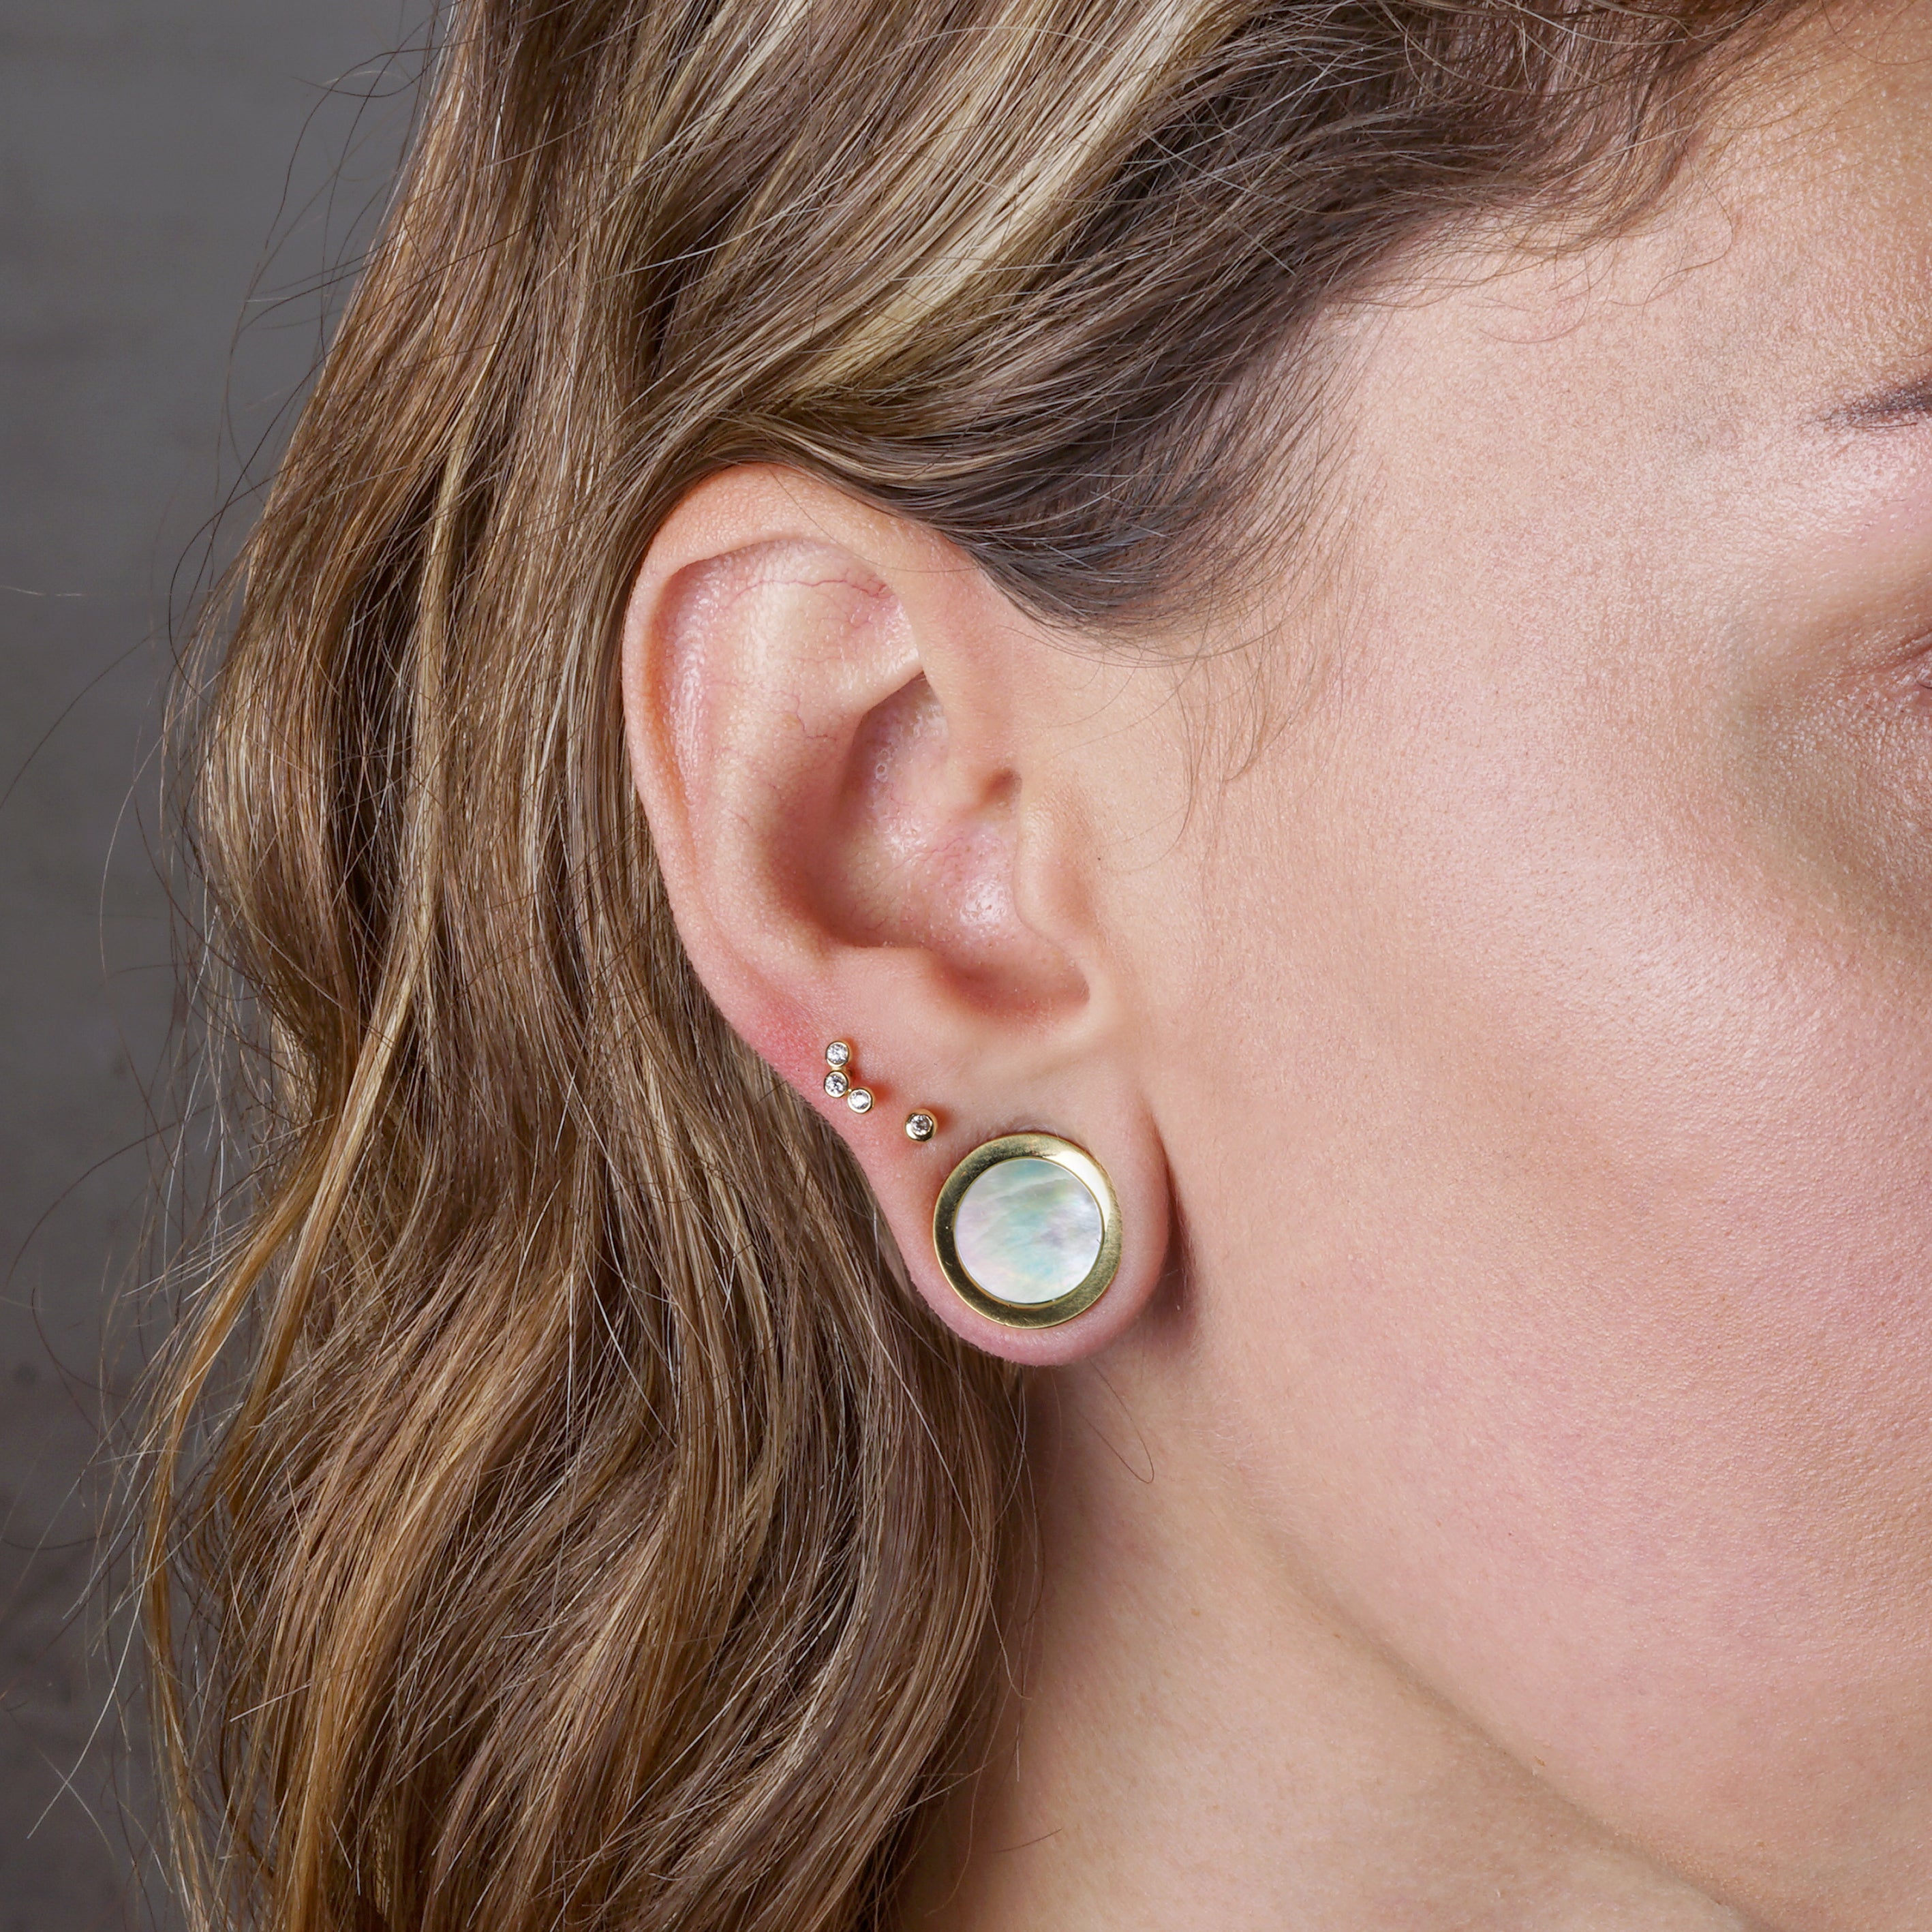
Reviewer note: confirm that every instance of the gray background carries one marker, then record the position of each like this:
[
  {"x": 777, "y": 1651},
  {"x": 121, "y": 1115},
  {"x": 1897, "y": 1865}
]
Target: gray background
[{"x": 181, "y": 182}]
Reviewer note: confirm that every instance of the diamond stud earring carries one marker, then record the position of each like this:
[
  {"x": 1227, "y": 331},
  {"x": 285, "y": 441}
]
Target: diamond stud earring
[
  {"x": 839, "y": 1071},
  {"x": 838, "y": 1077}
]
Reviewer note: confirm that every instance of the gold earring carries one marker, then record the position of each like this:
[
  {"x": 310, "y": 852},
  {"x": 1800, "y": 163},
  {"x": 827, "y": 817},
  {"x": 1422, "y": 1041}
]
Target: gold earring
[
  {"x": 838, "y": 1058},
  {"x": 1027, "y": 1230},
  {"x": 839, "y": 1078},
  {"x": 920, "y": 1126}
]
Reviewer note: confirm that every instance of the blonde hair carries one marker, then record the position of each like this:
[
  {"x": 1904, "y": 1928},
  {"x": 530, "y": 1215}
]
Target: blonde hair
[{"x": 565, "y": 1514}]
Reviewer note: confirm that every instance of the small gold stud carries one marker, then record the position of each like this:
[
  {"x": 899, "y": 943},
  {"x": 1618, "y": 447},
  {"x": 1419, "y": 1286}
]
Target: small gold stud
[
  {"x": 837, "y": 1083},
  {"x": 859, "y": 1100},
  {"x": 920, "y": 1127},
  {"x": 839, "y": 1053}
]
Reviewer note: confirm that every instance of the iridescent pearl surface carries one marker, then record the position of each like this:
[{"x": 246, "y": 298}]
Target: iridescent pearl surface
[{"x": 1028, "y": 1232}]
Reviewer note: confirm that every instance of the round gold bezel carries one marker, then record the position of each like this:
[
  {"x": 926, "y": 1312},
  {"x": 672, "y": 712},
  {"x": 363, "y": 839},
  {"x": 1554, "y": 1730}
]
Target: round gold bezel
[{"x": 1087, "y": 1171}]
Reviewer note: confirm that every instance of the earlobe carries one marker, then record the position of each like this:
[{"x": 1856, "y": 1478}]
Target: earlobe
[{"x": 842, "y": 737}]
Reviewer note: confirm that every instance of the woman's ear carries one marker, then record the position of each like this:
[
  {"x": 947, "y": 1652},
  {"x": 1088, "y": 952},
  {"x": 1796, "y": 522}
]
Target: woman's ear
[{"x": 863, "y": 771}]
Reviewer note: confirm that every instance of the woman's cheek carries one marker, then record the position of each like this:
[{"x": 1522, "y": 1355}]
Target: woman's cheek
[{"x": 1628, "y": 1349}]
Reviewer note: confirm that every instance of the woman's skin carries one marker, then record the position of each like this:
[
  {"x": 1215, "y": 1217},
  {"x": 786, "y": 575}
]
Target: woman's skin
[{"x": 1503, "y": 965}]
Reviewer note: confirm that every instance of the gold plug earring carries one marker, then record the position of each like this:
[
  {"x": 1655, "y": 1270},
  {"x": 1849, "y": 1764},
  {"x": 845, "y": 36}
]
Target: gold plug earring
[{"x": 1027, "y": 1230}]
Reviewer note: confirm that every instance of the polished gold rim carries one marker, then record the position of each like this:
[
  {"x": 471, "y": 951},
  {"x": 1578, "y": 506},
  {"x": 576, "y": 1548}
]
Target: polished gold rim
[{"x": 1087, "y": 1171}]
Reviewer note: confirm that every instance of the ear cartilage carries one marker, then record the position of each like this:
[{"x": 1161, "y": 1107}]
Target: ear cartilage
[{"x": 921, "y": 1126}]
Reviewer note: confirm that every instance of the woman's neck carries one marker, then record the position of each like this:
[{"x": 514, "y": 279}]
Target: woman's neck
[{"x": 1195, "y": 1744}]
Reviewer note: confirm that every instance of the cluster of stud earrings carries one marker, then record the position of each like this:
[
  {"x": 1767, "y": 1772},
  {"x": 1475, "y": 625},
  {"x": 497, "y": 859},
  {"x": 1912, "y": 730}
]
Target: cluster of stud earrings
[
  {"x": 987, "y": 1239},
  {"x": 919, "y": 1125}
]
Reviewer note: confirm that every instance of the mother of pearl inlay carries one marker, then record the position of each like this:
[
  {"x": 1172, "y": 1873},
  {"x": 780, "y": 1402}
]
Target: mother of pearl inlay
[{"x": 1028, "y": 1232}]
